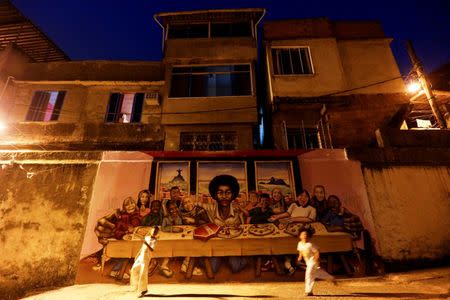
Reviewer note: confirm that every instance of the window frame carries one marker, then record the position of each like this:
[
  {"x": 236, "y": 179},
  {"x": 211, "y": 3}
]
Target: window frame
[
  {"x": 313, "y": 72},
  {"x": 250, "y": 23},
  {"x": 55, "y": 108},
  {"x": 295, "y": 132},
  {"x": 252, "y": 89},
  {"x": 117, "y": 113}
]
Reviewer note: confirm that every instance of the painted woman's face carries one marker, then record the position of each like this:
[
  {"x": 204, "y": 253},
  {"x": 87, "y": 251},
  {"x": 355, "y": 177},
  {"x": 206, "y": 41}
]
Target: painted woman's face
[
  {"x": 145, "y": 198},
  {"x": 319, "y": 192},
  {"x": 276, "y": 195},
  {"x": 129, "y": 205}
]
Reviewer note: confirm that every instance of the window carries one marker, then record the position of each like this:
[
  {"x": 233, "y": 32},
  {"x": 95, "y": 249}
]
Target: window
[
  {"x": 207, "y": 30},
  {"x": 208, "y": 141},
  {"x": 231, "y": 29},
  {"x": 303, "y": 138},
  {"x": 45, "y": 106},
  {"x": 186, "y": 31},
  {"x": 288, "y": 61},
  {"x": 124, "y": 108},
  {"x": 211, "y": 81}
]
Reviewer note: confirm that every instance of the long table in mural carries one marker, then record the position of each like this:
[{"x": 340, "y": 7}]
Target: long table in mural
[{"x": 183, "y": 244}]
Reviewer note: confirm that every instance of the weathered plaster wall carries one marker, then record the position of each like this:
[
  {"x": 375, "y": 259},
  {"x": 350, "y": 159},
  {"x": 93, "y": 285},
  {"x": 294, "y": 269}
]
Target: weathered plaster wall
[
  {"x": 42, "y": 218},
  {"x": 411, "y": 208}
]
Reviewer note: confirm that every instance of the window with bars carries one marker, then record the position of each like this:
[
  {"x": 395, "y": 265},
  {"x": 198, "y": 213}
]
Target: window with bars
[
  {"x": 211, "y": 81},
  {"x": 45, "y": 106},
  {"x": 303, "y": 138},
  {"x": 288, "y": 61},
  {"x": 124, "y": 108},
  {"x": 208, "y": 141}
]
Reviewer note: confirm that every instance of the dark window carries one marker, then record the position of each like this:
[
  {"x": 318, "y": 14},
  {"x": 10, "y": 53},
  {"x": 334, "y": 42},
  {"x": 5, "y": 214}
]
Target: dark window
[
  {"x": 45, "y": 106},
  {"x": 186, "y": 31},
  {"x": 124, "y": 108},
  {"x": 291, "y": 61},
  {"x": 208, "y": 141},
  {"x": 211, "y": 81},
  {"x": 299, "y": 138},
  {"x": 231, "y": 29}
]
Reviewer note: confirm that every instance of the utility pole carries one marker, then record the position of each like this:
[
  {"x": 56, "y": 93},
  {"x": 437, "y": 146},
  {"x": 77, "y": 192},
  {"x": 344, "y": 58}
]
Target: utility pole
[{"x": 418, "y": 68}]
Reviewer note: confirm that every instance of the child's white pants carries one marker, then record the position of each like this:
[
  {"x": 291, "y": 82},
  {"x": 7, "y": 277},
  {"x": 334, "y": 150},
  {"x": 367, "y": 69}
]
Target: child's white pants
[
  {"x": 139, "y": 270},
  {"x": 313, "y": 272}
]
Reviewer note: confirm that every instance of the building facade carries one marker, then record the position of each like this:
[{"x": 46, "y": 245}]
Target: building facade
[{"x": 329, "y": 84}]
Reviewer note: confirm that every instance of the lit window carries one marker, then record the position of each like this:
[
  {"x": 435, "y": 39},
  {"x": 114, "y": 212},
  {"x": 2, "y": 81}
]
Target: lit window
[
  {"x": 211, "y": 81},
  {"x": 287, "y": 61},
  {"x": 208, "y": 141},
  {"x": 45, "y": 106},
  {"x": 124, "y": 108}
]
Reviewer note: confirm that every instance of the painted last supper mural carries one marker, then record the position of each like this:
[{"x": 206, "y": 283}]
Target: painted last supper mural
[{"x": 225, "y": 215}]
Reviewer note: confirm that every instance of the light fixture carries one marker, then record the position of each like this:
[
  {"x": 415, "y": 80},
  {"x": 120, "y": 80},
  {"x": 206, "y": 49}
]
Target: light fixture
[
  {"x": 2, "y": 126},
  {"x": 413, "y": 87}
]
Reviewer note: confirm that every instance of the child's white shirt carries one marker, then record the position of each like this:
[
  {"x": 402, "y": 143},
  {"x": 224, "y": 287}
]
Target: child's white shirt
[{"x": 308, "y": 250}]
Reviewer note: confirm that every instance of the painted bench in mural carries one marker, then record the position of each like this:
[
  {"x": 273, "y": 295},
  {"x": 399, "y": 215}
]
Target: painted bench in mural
[{"x": 183, "y": 244}]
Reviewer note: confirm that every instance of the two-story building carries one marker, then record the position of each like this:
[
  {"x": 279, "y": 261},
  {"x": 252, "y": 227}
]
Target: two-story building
[{"x": 329, "y": 84}]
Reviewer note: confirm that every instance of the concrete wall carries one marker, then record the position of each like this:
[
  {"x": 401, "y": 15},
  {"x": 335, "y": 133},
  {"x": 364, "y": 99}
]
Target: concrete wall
[
  {"x": 191, "y": 51},
  {"x": 43, "y": 216},
  {"x": 411, "y": 208},
  {"x": 369, "y": 61}
]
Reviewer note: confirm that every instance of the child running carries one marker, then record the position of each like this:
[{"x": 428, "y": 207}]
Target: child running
[
  {"x": 311, "y": 256},
  {"x": 139, "y": 271}
]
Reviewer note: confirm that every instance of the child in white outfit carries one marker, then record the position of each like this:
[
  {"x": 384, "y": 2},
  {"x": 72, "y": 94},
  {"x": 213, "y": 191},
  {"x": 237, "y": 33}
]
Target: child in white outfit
[
  {"x": 310, "y": 255},
  {"x": 139, "y": 270}
]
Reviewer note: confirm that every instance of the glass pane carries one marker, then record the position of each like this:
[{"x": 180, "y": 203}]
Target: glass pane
[
  {"x": 180, "y": 85},
  {"x": 241, "y": 84},
  {"x": 307, "y": 69}
]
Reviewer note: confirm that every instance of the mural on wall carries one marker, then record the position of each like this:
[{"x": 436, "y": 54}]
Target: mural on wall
[
  {"x": 275, "y": 177},
  {"x": 169, "y": 175},
  {"x": 207, "y": 170},
  {"x": 224, "y": 208}
]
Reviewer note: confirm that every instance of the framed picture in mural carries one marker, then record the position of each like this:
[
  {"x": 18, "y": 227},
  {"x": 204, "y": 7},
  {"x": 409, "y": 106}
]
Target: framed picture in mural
[
  {"x": 207, "y": 170},
  {"x": 170, "y": 174},
  {"x": 275, "y": 176}
]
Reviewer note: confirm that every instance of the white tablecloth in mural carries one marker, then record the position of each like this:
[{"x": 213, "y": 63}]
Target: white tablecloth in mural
[{"x": 183, "y": 244}]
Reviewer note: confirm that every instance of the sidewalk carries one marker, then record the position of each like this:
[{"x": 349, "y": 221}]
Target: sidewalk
[{"x": 423, "y": 284}]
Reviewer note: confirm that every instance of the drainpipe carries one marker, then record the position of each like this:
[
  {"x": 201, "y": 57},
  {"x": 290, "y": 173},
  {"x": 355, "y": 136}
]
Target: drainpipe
[
  {"x": 155, "y": 17},
  {"x": 256, "y": 24}
]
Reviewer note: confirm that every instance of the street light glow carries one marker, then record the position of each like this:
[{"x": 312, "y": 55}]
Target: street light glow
[
  {"x": 413, "y": 87},
  {"x": 2, "y": 126}
]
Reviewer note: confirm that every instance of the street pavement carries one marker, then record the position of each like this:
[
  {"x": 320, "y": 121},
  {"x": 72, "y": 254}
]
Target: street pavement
[{"x": 424, "y": 284}]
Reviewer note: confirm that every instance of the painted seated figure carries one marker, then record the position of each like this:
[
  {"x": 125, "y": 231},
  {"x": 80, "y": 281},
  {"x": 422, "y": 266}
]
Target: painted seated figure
[
  {"x": 155, "y": 216},
  {"x": 299, "y": 211},
  {"x": 261, "y": 213},
  {"x": 224, "y": 189}
]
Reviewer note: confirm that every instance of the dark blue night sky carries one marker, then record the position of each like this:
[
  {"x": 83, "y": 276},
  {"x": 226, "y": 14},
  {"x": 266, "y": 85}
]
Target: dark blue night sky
[{"x": 125, "y": 30}]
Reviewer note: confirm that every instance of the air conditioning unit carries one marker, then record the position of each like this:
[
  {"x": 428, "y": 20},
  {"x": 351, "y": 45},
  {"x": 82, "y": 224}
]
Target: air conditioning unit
[{"x": 152, "y": 98}]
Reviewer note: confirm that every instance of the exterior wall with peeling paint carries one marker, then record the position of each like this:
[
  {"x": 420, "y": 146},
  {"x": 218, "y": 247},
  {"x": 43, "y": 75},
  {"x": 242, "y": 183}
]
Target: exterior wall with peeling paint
[
  {"x": 44, "y": 208},
  {"x": 410, "y": 207}
]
